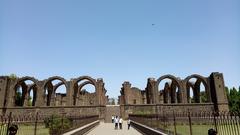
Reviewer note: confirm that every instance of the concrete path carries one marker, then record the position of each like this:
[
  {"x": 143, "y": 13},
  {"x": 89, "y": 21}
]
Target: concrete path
[{"x": 108, "y": 129}]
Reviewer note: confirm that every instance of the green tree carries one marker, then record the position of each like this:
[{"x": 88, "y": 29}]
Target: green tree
[
  {"x": 203, "y": 97},
  {"x": 234, "y": 100},
  {"x": 57, "y": 124},
  {"x": 13, "y": 76}
]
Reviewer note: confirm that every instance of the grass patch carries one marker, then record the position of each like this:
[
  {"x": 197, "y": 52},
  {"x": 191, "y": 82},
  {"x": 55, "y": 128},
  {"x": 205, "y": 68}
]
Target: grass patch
[{"x": 26, "y": 130}]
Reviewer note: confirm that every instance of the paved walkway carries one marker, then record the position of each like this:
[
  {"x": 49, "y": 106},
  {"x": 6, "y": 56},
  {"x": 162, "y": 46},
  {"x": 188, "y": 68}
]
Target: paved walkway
[{"x": 108, "y": 129}]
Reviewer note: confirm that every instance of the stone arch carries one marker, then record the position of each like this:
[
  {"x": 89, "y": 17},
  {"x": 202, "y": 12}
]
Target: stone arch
[
  {"x": 203, "y": 79},
  {"x": 84, "y": 84},
  {"x": 93, "y": 81},
  {"x": 168, "y": 91},
  {"x": 168, "y": 77},
  {"x": 25, "y": 90},
  {"x": 25, "y": 78},
  {"x": 50, "y": 79},
  {"x": 77, "y": 87},
  {"x": 58, "y": 85},
  {"x": 50, "y": 89},
  {"x": 199, "y": 79}
]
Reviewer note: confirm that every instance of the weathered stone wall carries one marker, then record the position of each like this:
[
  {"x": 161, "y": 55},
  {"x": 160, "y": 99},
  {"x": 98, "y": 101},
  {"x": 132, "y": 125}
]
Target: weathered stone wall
[
  {"x": 132, "y": 95},
  {"x": 66, "y": 110},
  {"x": 176, "y": 95},
  {"x": 44, "y": 94},
  {"x": 111, "y": 110},
  {"x": 167, "y": 108}
]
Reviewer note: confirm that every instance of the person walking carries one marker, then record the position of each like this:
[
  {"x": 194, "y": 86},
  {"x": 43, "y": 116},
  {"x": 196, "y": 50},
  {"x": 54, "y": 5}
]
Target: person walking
[
  {"x": 120, "y": 123},
  {"x": 112, "y": 119},
  {"x": 128, "y": 123},
  {"x": 116, "y": 122}
]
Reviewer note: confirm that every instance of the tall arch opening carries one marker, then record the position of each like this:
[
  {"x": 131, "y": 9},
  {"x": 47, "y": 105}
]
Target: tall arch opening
[
  {"x": 25, "y": 93},
  {"x": 55, "y": 90},
  {"x": 169, "y": 90},
  {"x": 197, "y": 90},
  {"x": 32, "y": 93},
  {"x": 84, "y": 91}
]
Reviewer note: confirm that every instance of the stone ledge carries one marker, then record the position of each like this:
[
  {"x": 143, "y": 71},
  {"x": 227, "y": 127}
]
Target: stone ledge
[
  {"x": 83, "y": 129},
  {"x": 145, "y": 129}
]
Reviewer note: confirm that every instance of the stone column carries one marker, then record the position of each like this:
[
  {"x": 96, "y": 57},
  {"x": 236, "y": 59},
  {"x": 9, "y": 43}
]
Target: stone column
[
  {"x": 40, "y": 100},
  {"x": 27, "y": 96},
  {"x": 166, "y": 93},
  {"x": 218, "y": 93},
  {"x": 173, "y": 92},
  {"x": 152, "y": 91},
  {"x": 11, "y": 93},
  {"x": 3, "y": 90},
  {"x": 99, "y": 91},
  {"x": 70, "y": 92},
  {"x": 183, "y": 91},
  {"x": 196, "y": 91},
  {"x": 126, "y": 88}
]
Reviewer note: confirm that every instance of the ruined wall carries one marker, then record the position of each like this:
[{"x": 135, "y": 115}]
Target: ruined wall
[
  {"x": 42, "y": 93},
  {"x": 132, "y": 95},
  {"x": 176, "y": 94}
]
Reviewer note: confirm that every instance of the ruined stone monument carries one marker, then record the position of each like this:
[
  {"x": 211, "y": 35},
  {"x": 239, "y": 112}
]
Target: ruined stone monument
[{"x": 175, "y": 95}]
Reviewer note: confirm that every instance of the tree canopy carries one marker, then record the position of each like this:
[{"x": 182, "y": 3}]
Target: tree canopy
[{"x": 233, "y": 96}]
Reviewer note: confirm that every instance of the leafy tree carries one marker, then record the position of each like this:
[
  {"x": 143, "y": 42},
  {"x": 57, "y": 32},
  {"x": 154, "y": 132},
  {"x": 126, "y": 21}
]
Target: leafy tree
[
  {"x": 113, "y": 102},
  {"x": 203, "y": 97},
  {"x": 233, "y": 96},
  {"x": 13, "y": 76},
  {"x": 30, "y": 101},
  {"x": 57, "y": 124}
]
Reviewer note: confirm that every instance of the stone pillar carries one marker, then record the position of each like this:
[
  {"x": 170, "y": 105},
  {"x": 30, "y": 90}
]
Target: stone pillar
[
  {"x": 70, "y": 92},
  {"x": 40, "y": 100},
  {"x": 152, "y": 91},
  {"x": 183, "y": 92},
  {"x": 25, "y": 95},
  {"x": 173, "y": 92},
  {"x": 3, "y": 91},
  {"x": 99, "y": 91},
  {"x": 166, "y": 93},
  {"x": 126, "y": 88},
  {"x": 196, "y": 91},
  {"x": 11, "y": 93},
  {"x": 218, "y": 93}
]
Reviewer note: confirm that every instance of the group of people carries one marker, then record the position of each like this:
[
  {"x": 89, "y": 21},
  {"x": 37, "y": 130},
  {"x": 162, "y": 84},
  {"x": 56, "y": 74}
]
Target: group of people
[{"x": 118, "y": 122}]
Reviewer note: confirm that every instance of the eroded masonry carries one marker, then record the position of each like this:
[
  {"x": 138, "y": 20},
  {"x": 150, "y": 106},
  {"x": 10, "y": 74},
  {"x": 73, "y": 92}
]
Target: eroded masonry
[{"x": 194, "y": 93}]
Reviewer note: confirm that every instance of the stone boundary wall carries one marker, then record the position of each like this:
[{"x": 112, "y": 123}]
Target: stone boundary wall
[
  {"x": 158, "y": 108},
  {"x": 66, "y": 110}
]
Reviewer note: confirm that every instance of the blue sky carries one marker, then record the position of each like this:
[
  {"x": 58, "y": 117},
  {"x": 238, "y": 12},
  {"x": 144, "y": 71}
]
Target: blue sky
[{"x": 120, "y": 40}]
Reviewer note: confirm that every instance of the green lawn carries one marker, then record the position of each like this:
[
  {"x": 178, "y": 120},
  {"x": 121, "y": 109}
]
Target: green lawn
[
  {"x": 223, "y": 129},
  {"x": 196, "y": 129},
  {"x": 203, "y": 129},
  {"x": 27, "y": 130}
]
